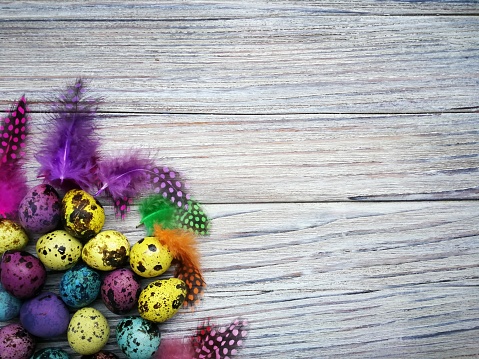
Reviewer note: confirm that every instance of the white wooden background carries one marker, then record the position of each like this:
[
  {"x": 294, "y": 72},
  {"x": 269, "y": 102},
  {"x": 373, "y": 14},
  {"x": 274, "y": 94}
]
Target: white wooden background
[{"x": 334, "y": 143}]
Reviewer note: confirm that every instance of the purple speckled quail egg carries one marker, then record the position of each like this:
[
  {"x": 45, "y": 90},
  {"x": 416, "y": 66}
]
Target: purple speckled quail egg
[
  {"x": 120, "y": 291},
  {"x": 22, "y": 274},
  {"x": 16, "y": 342},
  {"x": 45, "y": 316},
  {"x": 39, "y": 210}
]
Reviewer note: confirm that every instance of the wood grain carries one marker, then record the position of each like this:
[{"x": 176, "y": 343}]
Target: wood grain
[
  {"x": 334, "y": 144},
  {"x": 303, "y": 158},
  {"x": 322, "y": 280},
  {"x": 289, "y": 61}
]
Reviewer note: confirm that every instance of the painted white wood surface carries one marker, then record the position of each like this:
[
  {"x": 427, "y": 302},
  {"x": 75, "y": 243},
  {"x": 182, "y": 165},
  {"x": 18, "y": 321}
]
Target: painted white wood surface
[{"x": 334, "y": 143}]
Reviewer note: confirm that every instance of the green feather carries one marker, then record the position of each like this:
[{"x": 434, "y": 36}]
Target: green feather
[{"x": 156, "y": 209}]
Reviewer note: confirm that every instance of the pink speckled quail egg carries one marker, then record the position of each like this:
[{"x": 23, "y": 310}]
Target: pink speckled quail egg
[
  {"x": 120, "y": 290},
  {"x": 16, "y": 342}
]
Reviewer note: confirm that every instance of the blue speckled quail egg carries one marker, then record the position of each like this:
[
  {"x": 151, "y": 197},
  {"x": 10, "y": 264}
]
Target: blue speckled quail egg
[
  {"x": 80, "y": 286},
  {"x": 50, "y": 353},
  {"x": 9, "y": 305},
  {"x": 137, "y": 338}
]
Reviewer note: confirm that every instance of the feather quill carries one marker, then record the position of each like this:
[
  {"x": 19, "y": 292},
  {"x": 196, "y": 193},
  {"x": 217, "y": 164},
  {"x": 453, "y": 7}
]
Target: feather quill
[
  {"x": 13, "y": 180},
  {"x": 124, "y": 178},
  {"x": 156, "y": 209},
  {"x": 183, "y": 247},
  {"x": 69, "y": 151}
]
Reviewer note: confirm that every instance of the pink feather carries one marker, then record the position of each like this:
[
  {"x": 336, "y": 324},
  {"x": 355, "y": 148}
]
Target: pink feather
[
  {"x": 174, "y": 348},
  {"x": 13, "y": 133}
]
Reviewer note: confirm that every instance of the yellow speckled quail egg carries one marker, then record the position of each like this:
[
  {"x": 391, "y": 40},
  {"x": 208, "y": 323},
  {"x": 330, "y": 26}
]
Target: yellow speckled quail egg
[
  {"x": 12, "y": 236},
  {"x": 107, "y": 251},
  {"x": 149, "y": 258},
  {"x": 161, "y": 299},
  {"x": 88, "y": 331},
  {"x": 82, "y": 215},
  {"x": 58, "y": 250}
]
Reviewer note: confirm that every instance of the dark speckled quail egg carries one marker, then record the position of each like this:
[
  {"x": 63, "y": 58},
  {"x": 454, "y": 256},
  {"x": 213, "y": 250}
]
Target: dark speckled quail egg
[
  {"x": 161, "y": 299},
  {"x": 106, "y": 251},
  {"x": 50, "y": 353},
  {"x": 82, "y": 215},
  {"x": 120, "y": 290},
  {"x": 16, "y": 342},
  {"x": 39, "y": 210},
  {"x": 58, "y": 250},
  {"x": 22, "y": 274},
  {"x": 149, "y": 258},
  {"x": 88, "y": 331},
  {"x": 12, "y": 236},
  {"x": 80, "y": 286},
  {"x": 103, "y": 354},
  {"x": 137, "y": 338}
]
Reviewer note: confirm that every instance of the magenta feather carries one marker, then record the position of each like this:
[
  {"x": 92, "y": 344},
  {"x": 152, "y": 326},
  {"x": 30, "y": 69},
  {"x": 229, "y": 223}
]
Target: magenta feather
[
  {"x": 69, "y": 150},
  {"x": 124, "y": 178},
  {"x": 174, "y": 348},
  {"x": 13, "y": 187}
]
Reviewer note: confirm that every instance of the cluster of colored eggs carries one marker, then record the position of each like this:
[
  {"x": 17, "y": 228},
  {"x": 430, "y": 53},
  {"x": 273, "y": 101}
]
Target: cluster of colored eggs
[{"x": 94, "y": 263}]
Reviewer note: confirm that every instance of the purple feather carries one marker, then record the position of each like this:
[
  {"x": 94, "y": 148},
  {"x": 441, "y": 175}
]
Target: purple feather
[
  {"x": 124, "y": 178},
  {"x": 70, "y": 148},
  {"x": 13, "y": 180}
]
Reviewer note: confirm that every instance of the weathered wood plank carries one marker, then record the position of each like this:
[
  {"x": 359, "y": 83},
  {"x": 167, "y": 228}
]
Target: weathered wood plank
[
  {"x": 325, "y": 280},
  {"x": 167, "y": 10},
  {"x": 298, "y": 62},
  {"x": 302, "y": 158}
]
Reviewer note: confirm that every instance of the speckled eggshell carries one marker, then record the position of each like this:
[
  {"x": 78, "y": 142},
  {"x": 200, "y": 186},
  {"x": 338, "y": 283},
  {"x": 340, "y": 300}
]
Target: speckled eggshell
[
  {"x": 16, "y": 342},
  {"x": 45, "y": 316},
  {"x": 88, "y": 331},
  {"x": 80, "y": 286},
  {"x": 149, "y": 258},
  {"x": 101, "y": 355},
  {"x": 137, "y": 338},
  {"x": 58, "y": 250},
  {"x": 50, "y": 353},
  {"x": 39, "y": 210},
  {"x": 9, "y": 305},
  {"x": 106, "y": 251},
  {"x": 22, "y": 274},
  {"x": 82, "y": 215},
  {"x": 161, "y": 299},
  {"x": 120, "y": 290},
  {"x": 12, "y": 236}
]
